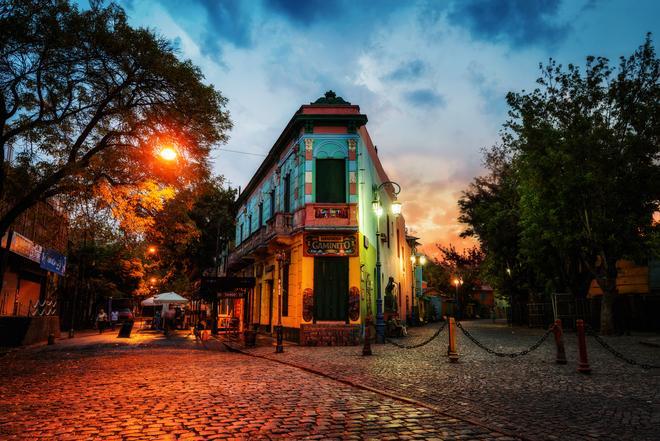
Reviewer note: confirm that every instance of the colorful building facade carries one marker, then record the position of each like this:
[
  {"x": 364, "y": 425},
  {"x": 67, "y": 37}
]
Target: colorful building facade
[{"x": 307, "y": 231}]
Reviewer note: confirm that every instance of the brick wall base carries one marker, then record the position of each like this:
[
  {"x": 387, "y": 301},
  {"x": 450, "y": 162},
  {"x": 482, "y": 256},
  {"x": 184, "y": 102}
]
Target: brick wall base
[{"x": 330, "y": 335}]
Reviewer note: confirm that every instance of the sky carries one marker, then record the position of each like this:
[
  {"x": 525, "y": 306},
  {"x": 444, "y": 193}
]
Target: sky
[{"x": 431, "y": 76}]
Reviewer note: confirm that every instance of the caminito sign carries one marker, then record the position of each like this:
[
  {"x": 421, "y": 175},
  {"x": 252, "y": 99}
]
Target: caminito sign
[{"x": 330, "y": 245}]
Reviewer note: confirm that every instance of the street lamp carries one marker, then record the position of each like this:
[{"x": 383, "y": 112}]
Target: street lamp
[
  {"x": 168, "y": 153},
  {"x": 457, "y": 281},
  {"x": 378, "y": 210},
  {"x": 418, "y": 261},
  {"x": 151, "y": 250}
]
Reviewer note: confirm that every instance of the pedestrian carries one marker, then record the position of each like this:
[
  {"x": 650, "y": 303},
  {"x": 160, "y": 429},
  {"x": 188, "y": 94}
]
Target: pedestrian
[
  {"x": 157, "y": 319},
  {"x": 114, "y": 318},
  {"x": 101, "y": 320}
]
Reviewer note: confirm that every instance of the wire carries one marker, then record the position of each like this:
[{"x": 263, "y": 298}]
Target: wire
[{"x": 242, "y": 153}]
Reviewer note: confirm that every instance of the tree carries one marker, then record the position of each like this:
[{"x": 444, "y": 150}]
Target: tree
[
  {"x": 584, "y": 152},
  {"x": 87, "y": 99},
  {"x": 190, "y": 233},
  {"x": 463, "y": 271}
]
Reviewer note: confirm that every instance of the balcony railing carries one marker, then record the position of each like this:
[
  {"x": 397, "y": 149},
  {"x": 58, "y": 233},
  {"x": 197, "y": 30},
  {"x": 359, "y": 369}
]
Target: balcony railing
[{"x": 279, "y": 225}]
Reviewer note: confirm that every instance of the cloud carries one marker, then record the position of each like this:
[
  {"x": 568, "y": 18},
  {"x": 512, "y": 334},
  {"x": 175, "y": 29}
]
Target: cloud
[
  {"x": 214, "y": 23},
  {"x": 425, "y": 98},
  {"x": 407, "y": 71},
  {"x": 520, "y": 22},
  {"x": 305, "y": 12}
]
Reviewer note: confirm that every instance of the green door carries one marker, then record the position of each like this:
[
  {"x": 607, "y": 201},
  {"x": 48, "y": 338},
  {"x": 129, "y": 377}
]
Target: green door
[{"x": 331, "y": 288}]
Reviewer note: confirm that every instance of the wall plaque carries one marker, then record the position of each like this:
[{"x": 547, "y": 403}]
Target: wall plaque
[
  {"x": 340, "y": 245},
  {"x": 331, "y": 212}
]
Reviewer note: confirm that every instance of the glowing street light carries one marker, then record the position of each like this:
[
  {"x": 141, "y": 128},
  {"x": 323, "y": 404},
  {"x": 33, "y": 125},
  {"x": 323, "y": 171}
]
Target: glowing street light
[
  {"x": 151, "y": 250},
  {"x": 168, "y": 153}
]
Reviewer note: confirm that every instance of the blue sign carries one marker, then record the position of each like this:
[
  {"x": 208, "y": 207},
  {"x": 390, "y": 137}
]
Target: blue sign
[{"x": 53, "y": 261}]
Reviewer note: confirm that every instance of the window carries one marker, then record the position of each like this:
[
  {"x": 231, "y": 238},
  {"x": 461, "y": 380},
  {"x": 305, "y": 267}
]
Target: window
[
  {"x": 287, "y": 193},
  {"x": 261, "y": 214},
  {"x": 398, "y": 246},
  {"x": 240, "y": 237},
  {"x": 330, "y": 180},
  {"x": 272, "y": 203},
  {"x": 387, "y": 221},
  {"x": 249, "y": 225},
  {"x": 285, "y": 289}
]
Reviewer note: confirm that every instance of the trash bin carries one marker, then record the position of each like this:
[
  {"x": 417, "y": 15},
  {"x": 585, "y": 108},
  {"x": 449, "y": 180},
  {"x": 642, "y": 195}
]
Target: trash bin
[
  {"x": 125, "y": 330},
  {"x": 250, "y": 338}
]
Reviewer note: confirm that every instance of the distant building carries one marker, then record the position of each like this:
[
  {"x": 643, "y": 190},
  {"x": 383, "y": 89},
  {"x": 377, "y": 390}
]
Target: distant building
[
  {"x": 306, "y": 229},
  {"x": 33, "y": 255}
]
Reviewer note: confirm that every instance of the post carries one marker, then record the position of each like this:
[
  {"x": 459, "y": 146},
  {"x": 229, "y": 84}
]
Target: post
[
  {"x": 559, "y": 341},
  {"x": 366, "y": 349},
  {"x": 278, "y": 329},
  {"x": 380, "y": 318},
  {"x": 451, "y": 350},
  {"x": 583, "y": 364}
]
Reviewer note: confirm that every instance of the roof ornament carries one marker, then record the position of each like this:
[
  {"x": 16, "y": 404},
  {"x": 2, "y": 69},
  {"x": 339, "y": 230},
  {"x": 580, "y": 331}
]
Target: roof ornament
[{"x": 331, "y": 98}]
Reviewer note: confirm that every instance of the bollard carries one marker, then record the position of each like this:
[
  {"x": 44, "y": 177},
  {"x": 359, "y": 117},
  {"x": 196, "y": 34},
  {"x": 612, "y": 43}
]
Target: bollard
[
  {"x": 451, "y": 350},
  {"x": 366, "y": 349},
  {"x": 71, "y": 333},
  {"x": 279, "y": 348},
  {"x": 559, "y": 341},
  {"x": 51, "y": 339},
  {"x": 583, "y": 364}
]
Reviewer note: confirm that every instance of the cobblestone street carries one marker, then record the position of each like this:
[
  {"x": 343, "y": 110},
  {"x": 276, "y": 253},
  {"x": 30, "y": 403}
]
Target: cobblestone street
[
  {"x": 94, "y": 388},
  {"x": 530, "y": 396}
]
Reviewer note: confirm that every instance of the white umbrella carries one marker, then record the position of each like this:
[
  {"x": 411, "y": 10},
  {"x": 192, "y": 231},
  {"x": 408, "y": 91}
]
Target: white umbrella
[
  {"x": 148, "y": 302},
  {"x": 169, "y": 297}
]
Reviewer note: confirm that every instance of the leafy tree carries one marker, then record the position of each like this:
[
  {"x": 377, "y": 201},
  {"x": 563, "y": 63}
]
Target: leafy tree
[
  {"x": 190, "y": 233},
  {"x": 463, "y": 272},
  {"x": 87, "y": 99},
  {"x": 584, "y": 163}
]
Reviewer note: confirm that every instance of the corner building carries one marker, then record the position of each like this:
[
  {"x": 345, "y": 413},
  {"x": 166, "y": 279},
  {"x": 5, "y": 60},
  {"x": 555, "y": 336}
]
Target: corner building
[{"x": 307, "y": 231}]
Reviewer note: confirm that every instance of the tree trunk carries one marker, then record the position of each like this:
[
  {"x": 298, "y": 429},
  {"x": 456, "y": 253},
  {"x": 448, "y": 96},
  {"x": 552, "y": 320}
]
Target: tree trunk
[{"x": 607, "y": 284}]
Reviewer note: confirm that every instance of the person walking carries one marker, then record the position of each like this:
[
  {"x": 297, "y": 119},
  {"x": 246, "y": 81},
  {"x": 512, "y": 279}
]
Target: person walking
[
  {"x": 114, "y": 318},
  {"x": 101, "y": 320}
]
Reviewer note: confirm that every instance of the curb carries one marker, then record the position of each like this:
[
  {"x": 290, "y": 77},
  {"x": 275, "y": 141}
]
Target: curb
[{"x": 382, "y": 393}]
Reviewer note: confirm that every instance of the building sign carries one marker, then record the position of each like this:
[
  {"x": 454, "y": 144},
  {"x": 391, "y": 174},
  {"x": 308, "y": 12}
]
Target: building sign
[
  {"x": 23, "y": 246},
  {"x": 212, "y": 286},
  {"x": 235, "y": 294},
  {"x": 53, "y": 261},
  {"x": 331, "y": 212},
  {"x": 330, "y": 245}
]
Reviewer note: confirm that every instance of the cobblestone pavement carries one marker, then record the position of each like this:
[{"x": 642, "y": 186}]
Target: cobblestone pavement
[
  {"x": 173, "y": 389},
  {"x": 530, "y": 396}
]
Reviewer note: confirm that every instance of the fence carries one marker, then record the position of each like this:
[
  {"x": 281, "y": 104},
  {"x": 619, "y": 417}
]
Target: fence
[{"x": 582, "y": 331}]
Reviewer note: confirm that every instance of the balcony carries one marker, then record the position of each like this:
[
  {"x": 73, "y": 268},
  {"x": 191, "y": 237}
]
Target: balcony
[
  {"x": 277, "y": 228},
  {"x": 329, "y": 215}
]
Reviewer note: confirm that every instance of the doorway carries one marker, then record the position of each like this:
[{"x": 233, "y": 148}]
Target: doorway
[{"x": 331, "y": 289}]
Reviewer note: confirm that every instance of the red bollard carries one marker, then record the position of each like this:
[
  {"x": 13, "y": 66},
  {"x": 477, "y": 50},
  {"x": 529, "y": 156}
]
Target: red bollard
[
  {"x": 583, "y": 365},
  {"x": 366, "y": 349},
  {"x": 559, "y": 341}
]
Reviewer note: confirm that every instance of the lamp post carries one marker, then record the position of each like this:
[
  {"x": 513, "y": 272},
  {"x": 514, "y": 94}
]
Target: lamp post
[
  {"x": 279, "y": 348},
  {"x": 378, "y": 209},
  {"x": 457, "y": 313},
  {"x": 418, "y": 261}
]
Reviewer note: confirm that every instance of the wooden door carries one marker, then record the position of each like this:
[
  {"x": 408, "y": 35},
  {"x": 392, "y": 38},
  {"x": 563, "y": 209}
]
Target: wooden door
[{"x": 331, "y": 288}]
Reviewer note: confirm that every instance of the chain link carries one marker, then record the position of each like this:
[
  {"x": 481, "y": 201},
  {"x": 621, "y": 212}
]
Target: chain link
[
  {"x": 617, "y": 354},
  {"x": 535, "y": 346},
  {"x": 418, "y": 345}
]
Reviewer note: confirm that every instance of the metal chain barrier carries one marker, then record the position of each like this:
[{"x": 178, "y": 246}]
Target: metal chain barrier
[
  {"x": 535, "y": 346},
  {"x": 616, "y": 353},
  {"x": 418, "y": 345}
]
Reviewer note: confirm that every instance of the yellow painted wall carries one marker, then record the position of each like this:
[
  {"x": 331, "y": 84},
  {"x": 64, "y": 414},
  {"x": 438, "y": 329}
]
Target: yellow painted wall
[{"x": 631, "y": 279}]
